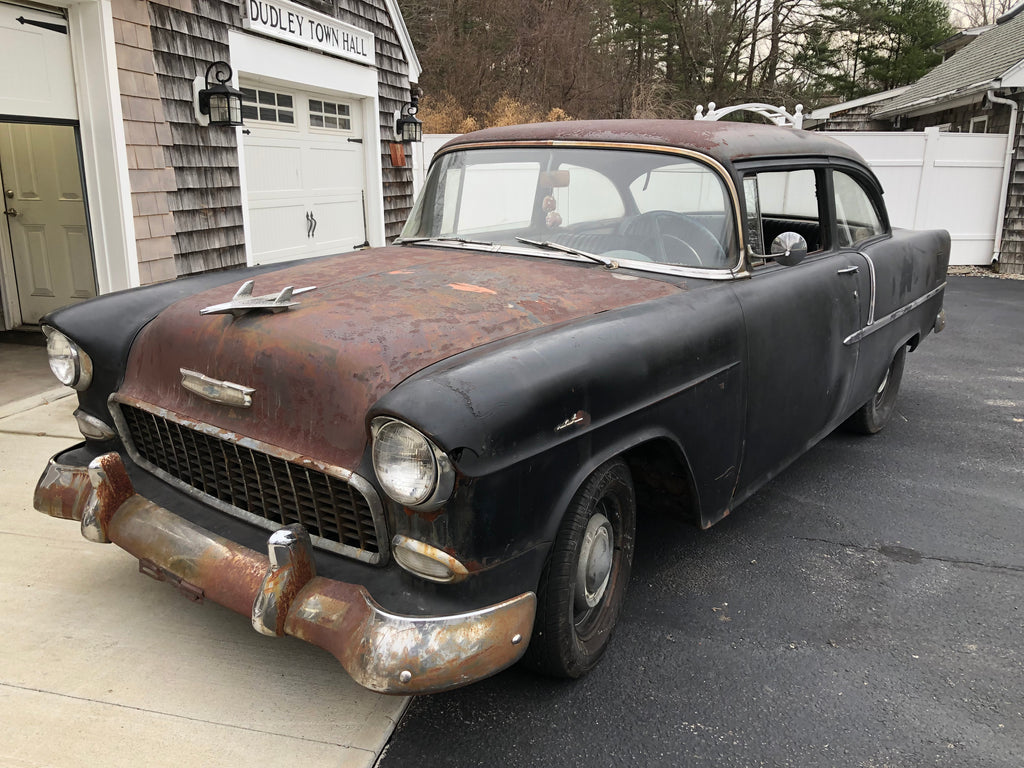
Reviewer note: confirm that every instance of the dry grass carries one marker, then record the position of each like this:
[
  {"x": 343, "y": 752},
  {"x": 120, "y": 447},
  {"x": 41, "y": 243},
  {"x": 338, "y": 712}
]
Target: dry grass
[{"x": 967, "y": 271}]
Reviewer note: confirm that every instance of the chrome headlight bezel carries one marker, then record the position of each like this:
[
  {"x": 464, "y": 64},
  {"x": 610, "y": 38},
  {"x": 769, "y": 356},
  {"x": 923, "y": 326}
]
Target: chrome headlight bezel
[
  {"x": 435, "y": 466},
  {"x": 59, "y": 347}
]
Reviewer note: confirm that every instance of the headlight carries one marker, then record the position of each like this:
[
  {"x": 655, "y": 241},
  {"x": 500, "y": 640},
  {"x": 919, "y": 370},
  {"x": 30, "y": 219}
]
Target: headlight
[
  {"x": 411, "y": 469},
  {"x": 69, "y": 362}
]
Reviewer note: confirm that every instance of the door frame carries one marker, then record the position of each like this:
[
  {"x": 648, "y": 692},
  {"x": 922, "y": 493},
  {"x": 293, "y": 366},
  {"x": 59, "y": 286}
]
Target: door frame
[
  {"x": 101, "y": 139},
  {"x": 11, "y": 305}
]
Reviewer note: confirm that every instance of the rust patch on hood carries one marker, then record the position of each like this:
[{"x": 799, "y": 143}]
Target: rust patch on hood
[{"x": 376, "y": 317}]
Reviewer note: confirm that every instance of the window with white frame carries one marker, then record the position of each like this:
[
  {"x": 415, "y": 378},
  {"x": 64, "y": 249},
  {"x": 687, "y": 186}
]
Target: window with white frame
[
  {"x": 330, "y": 114},
  {"x": 267, "y": 106}
]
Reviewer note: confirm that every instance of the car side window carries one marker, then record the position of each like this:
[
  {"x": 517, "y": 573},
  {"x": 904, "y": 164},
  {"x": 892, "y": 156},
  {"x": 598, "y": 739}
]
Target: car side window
[
  {"x": 784, "y": 201},
  {"x": 857, "y": 217}
]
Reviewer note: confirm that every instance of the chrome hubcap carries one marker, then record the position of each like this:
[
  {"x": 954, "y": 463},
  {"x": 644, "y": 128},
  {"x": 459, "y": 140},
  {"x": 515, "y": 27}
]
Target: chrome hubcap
[
  {"x": 885, "y": 380},
  {"x": 594, "y": 568}
]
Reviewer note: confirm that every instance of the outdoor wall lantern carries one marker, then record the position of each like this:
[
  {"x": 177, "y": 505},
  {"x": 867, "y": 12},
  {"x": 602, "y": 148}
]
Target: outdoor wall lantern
[
  {"x": 408, "y": 127},
  {"x": 217, "y": 104}
]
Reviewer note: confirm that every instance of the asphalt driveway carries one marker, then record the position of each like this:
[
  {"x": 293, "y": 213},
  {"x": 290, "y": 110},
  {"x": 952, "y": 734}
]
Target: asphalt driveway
[{"x": 864, "y": 609}]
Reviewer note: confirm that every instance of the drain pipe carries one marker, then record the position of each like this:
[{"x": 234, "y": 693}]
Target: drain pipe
[{"x": 1010, "y": 139}]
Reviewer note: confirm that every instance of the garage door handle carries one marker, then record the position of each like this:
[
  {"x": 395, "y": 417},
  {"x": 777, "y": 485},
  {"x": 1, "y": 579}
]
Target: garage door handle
[
  {"x": 847, "y": 270},
  {"x": 313, "y": 219},
  {"x": 309, "y": 224}
]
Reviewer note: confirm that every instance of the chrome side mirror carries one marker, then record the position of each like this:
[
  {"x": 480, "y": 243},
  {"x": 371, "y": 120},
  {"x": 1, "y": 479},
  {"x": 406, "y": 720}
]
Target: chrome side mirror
[{"x": 788, "y": 249}]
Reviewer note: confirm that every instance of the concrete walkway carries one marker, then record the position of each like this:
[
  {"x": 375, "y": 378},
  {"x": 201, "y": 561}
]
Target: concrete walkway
[{"x": 102, "y": 666}]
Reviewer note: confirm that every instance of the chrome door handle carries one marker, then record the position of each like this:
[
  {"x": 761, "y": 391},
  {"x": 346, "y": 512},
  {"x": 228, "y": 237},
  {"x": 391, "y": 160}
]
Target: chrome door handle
[
  {"x": 10, "y": 212},
  {"x": 847, "y": 270},
  {"x": 10, "y": 193}
]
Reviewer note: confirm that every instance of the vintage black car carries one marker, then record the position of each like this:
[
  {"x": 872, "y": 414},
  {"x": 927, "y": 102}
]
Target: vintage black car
[{"x": 449, "y": 440}]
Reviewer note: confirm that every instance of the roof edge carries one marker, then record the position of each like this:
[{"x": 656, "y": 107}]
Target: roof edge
[
  {"x": 415, "y": 68},
  {"x": 824, "y": 113}
]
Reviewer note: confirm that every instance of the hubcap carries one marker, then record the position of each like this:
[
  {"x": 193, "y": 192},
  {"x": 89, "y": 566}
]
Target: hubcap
[
  {"x": 594, "y": 568},
  {"x": 885, "y": 380}
]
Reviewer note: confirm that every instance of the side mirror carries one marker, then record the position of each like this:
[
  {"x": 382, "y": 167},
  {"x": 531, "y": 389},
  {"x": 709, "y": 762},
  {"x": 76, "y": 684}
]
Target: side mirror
[{"x": 788, "y": 249}]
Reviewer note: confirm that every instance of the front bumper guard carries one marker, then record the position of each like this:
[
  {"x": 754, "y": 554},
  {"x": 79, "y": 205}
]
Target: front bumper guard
[{"x": 281, "y": 592}]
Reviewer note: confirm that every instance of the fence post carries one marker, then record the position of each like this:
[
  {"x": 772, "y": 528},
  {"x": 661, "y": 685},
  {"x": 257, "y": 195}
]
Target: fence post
[{"x": 932, "y": 136}]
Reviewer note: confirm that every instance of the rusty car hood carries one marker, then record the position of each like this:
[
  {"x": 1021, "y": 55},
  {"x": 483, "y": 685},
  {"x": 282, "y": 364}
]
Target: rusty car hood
[{"x": 374, "y": 318}]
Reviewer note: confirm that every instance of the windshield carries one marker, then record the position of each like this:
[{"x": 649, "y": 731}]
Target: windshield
[{"x": 633, "y": 206}]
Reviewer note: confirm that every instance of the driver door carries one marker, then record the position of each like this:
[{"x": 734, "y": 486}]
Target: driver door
[{"x": 798, "y": 370}]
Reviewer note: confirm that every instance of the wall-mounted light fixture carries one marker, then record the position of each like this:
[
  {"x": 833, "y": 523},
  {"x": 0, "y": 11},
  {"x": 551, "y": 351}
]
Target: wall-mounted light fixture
[
  {"x": 408, "y": 127},
  {"x": 219, "y": 103}
]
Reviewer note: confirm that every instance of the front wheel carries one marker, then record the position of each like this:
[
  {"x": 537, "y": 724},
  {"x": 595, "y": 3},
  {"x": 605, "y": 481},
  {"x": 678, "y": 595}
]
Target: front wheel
[
  {"x": 584, "y": 581},
  {"x": 876, "y": 412}
]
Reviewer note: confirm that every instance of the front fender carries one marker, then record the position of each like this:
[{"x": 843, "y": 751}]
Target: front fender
[{"x": 526, "y": 420}]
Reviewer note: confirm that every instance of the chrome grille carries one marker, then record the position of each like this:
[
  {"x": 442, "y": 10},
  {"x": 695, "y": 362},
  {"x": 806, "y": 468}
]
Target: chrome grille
[{"x": 257, "y": 486}]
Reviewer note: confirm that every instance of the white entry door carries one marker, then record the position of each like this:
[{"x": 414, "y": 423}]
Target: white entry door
[
  {"x": 44, "y": 209},
  {"x": 304, "y": 173}
]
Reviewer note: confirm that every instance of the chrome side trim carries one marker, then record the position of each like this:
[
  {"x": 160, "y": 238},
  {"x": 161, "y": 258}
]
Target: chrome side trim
[
  {"x": 356, "y": 481},
  {"x": 874, "y": 288},
  {"x": 877, "y": 325}
]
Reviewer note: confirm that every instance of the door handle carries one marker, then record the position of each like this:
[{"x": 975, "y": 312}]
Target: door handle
[
  {"x": 848, "y": 270},
  {"x": 313, "y": 219},
  {"x": 10, "y": 212},
  {"x": 10, "y": 193},
  {"x": 309, "y": 224}
]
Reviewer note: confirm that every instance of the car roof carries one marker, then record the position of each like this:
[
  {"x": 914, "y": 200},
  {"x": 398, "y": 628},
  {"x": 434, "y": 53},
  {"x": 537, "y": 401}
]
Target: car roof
[{"x": 726, "y": 142}]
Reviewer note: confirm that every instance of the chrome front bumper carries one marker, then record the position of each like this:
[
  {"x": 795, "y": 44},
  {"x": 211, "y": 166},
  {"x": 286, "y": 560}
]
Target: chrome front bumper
[{"x": 281, "y": 592}]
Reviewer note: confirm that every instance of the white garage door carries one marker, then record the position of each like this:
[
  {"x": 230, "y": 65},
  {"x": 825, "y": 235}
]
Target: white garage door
[{"x": 304, "y": 173}]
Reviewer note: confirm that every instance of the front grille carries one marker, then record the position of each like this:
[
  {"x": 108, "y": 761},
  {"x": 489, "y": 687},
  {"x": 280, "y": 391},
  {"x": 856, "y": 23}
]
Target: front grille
[{"x": 258, "y": 486}]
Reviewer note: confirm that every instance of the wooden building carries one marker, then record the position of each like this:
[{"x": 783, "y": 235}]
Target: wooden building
[{"x": 112, "y": 178}]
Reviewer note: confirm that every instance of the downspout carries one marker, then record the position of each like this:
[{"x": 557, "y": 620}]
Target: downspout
[{"x": 1010, "y": 139}]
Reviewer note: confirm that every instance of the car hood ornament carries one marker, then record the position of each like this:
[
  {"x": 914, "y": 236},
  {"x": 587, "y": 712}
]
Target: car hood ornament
[{"x": 243, "y": 301}]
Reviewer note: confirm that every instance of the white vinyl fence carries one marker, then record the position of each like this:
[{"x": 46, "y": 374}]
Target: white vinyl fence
[
  {"x": 932, "y": 180},
  {"x": 939, "y": 180}
]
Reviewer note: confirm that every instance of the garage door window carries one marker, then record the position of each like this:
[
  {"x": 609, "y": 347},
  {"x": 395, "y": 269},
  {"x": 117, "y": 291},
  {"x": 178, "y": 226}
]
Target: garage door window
[
  {"x": 329, "y": 114},
  {"x": 267, "y": 106}
]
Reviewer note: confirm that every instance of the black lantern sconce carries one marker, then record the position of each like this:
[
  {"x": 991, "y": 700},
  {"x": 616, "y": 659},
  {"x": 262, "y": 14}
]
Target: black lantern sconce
[
  {"x": 220, "y": 103},
  {"x": 408, "y": 127}
]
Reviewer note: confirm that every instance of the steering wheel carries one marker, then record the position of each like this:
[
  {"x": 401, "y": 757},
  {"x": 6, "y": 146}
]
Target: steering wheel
[{"x": 684, "y": 233}]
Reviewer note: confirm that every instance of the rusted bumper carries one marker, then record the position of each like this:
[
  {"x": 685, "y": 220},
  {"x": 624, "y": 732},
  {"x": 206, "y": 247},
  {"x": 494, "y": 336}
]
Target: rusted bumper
[{"x": 281, "y": 593}]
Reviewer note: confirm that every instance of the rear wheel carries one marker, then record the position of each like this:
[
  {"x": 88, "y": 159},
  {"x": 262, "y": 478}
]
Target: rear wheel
[
  {"x": 876, "y": 412},
  {"x": 584, "y": 580}
]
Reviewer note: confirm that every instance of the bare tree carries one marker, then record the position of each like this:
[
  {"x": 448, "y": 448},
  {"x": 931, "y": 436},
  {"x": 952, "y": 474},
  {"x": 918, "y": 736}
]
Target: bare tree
[{"x": 977, "y": 13}]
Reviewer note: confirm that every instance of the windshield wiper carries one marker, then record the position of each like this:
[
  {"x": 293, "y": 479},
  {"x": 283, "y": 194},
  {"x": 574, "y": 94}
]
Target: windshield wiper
[
  {"x": 442, "y": 239},
  {"x": 552, "y": 246}
]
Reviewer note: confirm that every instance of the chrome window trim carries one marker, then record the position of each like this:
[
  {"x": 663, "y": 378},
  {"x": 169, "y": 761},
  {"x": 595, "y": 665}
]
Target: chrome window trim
[
  {"x": 853, "y": 338},
  {"x": 874, "y": 288},
  {"x": 359, "y": 483}
]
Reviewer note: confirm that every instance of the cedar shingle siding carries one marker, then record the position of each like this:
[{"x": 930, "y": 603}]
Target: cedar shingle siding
[
  {"x": 1011, "y": 258},
  {"x": 204, "y": 197},
  {"x": 207, "y": 202}
]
